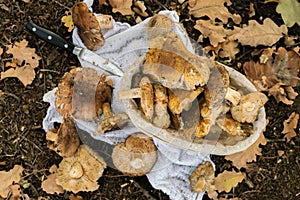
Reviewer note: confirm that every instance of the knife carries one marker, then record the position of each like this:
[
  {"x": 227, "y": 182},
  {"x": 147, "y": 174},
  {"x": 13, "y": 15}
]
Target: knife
[{"x": 85, "y": 54}]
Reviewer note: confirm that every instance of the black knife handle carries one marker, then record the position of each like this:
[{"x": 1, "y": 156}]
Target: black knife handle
[{"x": 50, "y": 37}]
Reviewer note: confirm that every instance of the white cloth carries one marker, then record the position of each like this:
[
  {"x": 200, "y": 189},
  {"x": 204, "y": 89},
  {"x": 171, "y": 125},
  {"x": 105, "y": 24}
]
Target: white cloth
[{"x": 124, "y": 44}]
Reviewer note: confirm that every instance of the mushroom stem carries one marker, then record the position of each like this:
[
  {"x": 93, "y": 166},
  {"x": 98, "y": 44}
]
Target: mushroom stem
[
  {"x": 233, "y": 96},
  {"x": 128, "y": 94}
]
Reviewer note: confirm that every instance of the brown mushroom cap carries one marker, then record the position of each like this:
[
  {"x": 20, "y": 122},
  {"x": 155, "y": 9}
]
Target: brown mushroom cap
[
  {"x": 202, "y": 178},
  {"x": 136, "y": 156},
  {"x": 81, "y": 93},
  {"x": 248, "y": 108},
  {"x": 81, "y": 171},
  {"x": 65, "y": 140}
]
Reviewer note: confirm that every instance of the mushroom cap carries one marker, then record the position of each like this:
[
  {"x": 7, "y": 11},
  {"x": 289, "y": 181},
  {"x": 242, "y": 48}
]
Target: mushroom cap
[
  {"x": 81, "y": 171},
  {"x": 136, "y": 156},
  {"x": 65, "y": 141},
  {"x": 202, "y": 178},
  {"x": 158, "y": 25},
  {"x": 81, "y": 94},
  {"x": 248, "y": 108}
]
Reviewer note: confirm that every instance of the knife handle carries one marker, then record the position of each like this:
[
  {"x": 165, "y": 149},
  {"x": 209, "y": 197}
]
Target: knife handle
[{"x": 50, "y": 37}]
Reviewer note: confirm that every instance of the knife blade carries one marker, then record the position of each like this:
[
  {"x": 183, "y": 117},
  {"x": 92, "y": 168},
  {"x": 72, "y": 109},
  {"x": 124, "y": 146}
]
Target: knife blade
[{"x": 85, "y": 54}]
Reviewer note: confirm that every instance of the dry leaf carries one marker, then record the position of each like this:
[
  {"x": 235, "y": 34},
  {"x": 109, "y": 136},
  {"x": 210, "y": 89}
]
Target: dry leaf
[
  {"x": 67, "y": 20},
  {"x": 1, "y": 93},
  {"x": 290, "y": 125},
  {"x": 105, "y": 21},
  {"x": 255, "y": 34},
  {"x": 1, "y": 51},
  {"x": 73, "y": 197},
  {"x": 8, "y": 178},
  {"x": 50, "y": 186},
  {"x": 215, "y": 31},
  {"x": 15, "y": 191},
  {"x": 280, "y": 153},
  {"x": 229, "y": 49},
  {"x": 214, "y": 9},
  {"x": 289, "y": 10},
  {"x": 227, "y": 180},
  {"x": 240, "y": 159},
  {"x": 22, "y": 53},
  {"x": 25, "y": 74},
  {"x": 122, "y": 6}
]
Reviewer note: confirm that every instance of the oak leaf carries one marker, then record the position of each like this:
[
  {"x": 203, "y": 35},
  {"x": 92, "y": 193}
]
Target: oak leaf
[
  {"x": 214, "y": 9},
  {"x": 240, "y": 159},
  {"x": 122, "y": 6},
  {"x": 8, "y": 178},
  {"x": 22, "y": 53},
  {"x": 227, "y": 180},
  {"x": 50, "y": 186},
  {"x": 67, "y": 20},
  {"x": 289, "y": 10},
  {"x": 255, "y": 34},
  {"x": 290, "y": 125},
  {"x": 214, "y": 31},
  {"x": 25, "y": 74}
]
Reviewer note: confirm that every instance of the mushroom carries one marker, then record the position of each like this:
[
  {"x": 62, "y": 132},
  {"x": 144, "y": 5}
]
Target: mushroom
[
  {"x": 202, "y": 178},
  {"x": 233, "y": 96},
  {"x": 81, "y": 93},
  {"x": 171, "y": 64},
  {"x": 64, "y": 140},
  {"x": 145, "y": 92},
  {"x": 161, "y": 116},
  {"x": 136, "y": 156},
  {"x": 158, "y": 25},
  {"x": 81, "y": 171},
  {"x": 180, "y": 100},
  {"x": 234, "y": 128},
  {"x": 88, "y": 26},
  {"x": 248, "y": 108},
  {"x": 110, "y": 121}
]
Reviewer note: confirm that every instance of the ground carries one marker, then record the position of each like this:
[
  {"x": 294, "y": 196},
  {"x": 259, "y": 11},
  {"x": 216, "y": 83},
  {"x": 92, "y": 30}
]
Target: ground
[{"x": 22, "y": 139}]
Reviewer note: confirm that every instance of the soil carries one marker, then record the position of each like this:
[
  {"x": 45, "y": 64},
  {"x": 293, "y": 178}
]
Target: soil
[{"x": 22, "y": 139}]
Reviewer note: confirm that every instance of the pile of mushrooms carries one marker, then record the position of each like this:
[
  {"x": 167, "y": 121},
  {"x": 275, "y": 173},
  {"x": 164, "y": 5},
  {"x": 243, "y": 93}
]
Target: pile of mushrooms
[
  {"x": 171, "y": 80},
  {"x": 85, "y": 95}
]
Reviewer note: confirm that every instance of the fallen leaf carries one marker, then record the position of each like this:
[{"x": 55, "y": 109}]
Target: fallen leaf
[
  {"x": 240, "y": 159},
  {"x": 26, "y": 1},
  {"x": 122, "y": 6},
  {"x": 214, "y": 31},
  {"x": 1, "y": 93},
  {"x": 73, "y": 197},
  {"x": 68, "y": 21},
  {"x": 214, "y": 9},
  {"x": 1, "y": 51},
  {"x": 255, "y": 34},
  {"x": 22, "y": 53},
  {"x": 50, "y": 186},
  {"x": 8, "y": 178},
  {"x": 25, "y": 74},
  {"x": 290, "y": 125},
  {"x": 227, "y": 180},
  {"x": 229, "y": 49},
  {"x": 105, "y": 21},
  {"x": 280, "y": 153},
  {"x": 289, "y": 10},
  {"x": 15, "y": 191}
]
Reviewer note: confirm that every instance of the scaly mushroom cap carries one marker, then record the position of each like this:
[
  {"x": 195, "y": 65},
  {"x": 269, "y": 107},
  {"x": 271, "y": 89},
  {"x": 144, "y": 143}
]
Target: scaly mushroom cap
[
  {"x": 202, "y": 178},
  {"x": 171, "y": 64},
  {"x": 81, "y": 93},
  {"x": 136, "y": 156},
  {"x": 88, "y": 26},
  {"x": 248, "y": 108},
  {"x": 65, "y": 140},
  {"x": 81, "y": 171}
]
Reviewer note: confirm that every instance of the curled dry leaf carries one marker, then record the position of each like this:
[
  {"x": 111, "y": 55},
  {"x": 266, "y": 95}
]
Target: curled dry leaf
[
  {"x": 25, "y": 59},
  {"x": 50, "y": 186},
  {"x": 289, "y": 10},
  {"x": 255, "y": 34},
  {"x": 88, "y": 26},
  {"x": 122, "y": 6},
  {"x": 9, "y": 178},
  {"x": 228, "y": 179},
  {"x": 81, "y": 171},
  {"x": 290, "y": 125},
  {"x": 277, "y": 76},
  {"x": 241, "y": 159},
  {"x": 214, "y": 9},
  {"x": 202, "y": 178},
  {"x": 65, "y": 140},
  {"x": 140, "y": 8}
]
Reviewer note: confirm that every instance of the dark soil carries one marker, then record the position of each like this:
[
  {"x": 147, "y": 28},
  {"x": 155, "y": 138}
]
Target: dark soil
[{"x": 22, "y": 139}]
